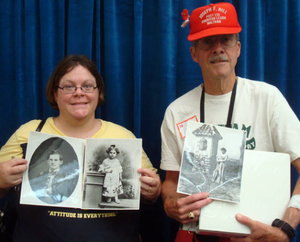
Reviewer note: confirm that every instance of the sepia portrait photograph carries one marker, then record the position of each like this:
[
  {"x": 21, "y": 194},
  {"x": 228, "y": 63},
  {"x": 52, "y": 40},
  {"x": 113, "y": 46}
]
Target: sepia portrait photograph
[
  {"x": 212, "y": 161},
  {"x": 111, "y": 180}
]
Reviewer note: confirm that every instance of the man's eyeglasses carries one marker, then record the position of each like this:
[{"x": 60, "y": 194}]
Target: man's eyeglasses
[
  {"x": 72, "y": 89},
  {"x": 226, "y": 41}
]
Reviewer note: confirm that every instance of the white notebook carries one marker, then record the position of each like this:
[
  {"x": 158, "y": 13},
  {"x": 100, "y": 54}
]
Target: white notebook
[{"x": 265, "y": 194}]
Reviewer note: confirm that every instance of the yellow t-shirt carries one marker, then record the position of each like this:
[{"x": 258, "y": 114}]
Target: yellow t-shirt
[{"x": 108, "y": 130}]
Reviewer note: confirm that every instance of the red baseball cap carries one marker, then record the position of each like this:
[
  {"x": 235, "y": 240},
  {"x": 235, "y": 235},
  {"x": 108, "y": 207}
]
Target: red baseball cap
[{"x": 213, "y": 19}]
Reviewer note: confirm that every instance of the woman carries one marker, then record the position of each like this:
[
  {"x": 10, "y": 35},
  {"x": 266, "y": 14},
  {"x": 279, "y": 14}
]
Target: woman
[
  {"x": 218, "y": 173},
  {"x": 75, "y": 89}
]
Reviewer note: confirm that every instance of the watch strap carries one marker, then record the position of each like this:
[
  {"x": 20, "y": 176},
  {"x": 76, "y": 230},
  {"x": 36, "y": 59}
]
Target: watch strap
[{"x": 285, "y": 227}]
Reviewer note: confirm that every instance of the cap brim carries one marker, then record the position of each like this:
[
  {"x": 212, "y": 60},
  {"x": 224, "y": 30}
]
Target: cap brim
[{"x": 214, "y": 31}]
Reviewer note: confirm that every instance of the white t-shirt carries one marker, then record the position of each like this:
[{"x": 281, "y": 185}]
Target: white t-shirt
[{"x": 260, "y": 110}]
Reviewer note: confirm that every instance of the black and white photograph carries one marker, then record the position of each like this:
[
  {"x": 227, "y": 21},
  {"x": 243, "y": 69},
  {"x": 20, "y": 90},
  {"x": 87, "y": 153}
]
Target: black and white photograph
[
  {"x": 212, "y": 161},
  {"x": 54, "y": 171},
  {"x": 82, "y": 173},
  {"x": 111, "y": 180}
]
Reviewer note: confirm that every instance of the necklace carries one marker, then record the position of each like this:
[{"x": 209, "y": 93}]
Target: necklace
[{"x": 231, "y": 105}]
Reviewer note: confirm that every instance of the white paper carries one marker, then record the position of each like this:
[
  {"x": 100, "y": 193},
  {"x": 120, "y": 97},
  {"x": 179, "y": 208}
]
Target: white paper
[{"x": 265, "y": 194}]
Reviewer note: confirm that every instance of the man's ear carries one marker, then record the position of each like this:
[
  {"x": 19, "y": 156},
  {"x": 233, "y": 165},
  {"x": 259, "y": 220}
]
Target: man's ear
[
  {"x": 239, "y": 49},
  {"x": 193, "y": 53}
]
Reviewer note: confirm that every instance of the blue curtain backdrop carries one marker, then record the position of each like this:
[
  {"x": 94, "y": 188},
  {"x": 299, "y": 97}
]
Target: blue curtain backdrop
[{"x": 143, "y": 55}]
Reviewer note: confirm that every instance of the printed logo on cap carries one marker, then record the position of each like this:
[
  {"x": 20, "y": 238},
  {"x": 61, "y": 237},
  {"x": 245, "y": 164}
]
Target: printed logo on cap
[
  {"x": 213, "y": 15},
  {"x": 213, "y": 19}
]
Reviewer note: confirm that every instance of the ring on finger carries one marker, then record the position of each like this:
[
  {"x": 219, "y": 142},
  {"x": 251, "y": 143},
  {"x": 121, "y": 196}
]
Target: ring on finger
[
  {"x": 191, "y": 215},
  {"x": 149, "y": 190}
]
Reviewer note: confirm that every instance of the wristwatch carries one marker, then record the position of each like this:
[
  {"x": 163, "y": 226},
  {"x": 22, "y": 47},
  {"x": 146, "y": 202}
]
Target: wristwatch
[{"x": 285, "y": 227}]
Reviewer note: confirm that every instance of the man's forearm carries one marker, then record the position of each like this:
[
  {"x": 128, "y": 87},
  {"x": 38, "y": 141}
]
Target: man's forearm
[
  {"x": 292, "y": 214},
  {"x": 169, "y": 186}
]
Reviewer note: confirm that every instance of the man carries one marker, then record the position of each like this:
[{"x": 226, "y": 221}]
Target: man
[
  {"x": 54, "y": 185},
  {"x": 239, "y": 103}
]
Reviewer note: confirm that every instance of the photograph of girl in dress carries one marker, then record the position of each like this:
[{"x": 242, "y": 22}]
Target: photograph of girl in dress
[
  {"x": 111, "y": 180},
  {"x": 112, "y": 169}
]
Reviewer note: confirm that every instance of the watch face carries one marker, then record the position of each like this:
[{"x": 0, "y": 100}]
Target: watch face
[{"x": 277, "y": 223}]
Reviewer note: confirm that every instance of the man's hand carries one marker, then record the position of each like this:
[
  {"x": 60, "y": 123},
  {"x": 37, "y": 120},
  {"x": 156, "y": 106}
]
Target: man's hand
[
  {"x": 179, "y": 208},
  {"x": 260, "y": 231}
]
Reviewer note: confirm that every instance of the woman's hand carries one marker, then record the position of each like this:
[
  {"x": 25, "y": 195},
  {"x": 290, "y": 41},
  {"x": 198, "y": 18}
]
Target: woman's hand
[
  {"x": 11, "y": 172},
  {"x": 150, "y": 184}
]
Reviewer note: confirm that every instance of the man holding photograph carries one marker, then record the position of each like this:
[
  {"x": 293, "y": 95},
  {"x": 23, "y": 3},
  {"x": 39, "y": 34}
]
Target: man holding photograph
[{"x": 227, "y": 100}]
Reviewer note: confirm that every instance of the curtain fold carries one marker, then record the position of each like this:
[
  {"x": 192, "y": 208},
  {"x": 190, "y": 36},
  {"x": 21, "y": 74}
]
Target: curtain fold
[
  {"x": 143, "y": 56},
  {"x": 137, "y": 65}
]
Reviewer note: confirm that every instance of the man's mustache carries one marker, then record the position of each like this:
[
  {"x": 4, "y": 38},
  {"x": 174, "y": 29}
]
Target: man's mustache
[{"x": 218, "y": 58}]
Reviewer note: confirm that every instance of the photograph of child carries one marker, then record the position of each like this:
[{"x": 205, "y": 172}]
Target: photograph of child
[
  {"x": 111, "y": 180},
  {"x": 112, "y": 169}
]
